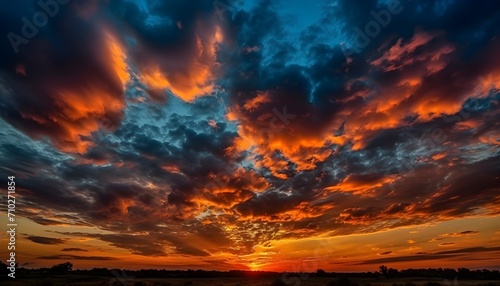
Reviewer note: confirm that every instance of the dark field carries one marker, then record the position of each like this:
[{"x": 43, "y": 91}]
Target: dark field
[{"x": 312, "y": 281}]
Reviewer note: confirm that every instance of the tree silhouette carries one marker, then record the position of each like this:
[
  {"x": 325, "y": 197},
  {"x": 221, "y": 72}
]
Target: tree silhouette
[
  {"x": 383, "y": 270},
  {"x": 3, "y": 269},
  {"x": 321, "y": 273},
  {"x": 391, "y": 272},
  {"x": 61, "y": 268}
]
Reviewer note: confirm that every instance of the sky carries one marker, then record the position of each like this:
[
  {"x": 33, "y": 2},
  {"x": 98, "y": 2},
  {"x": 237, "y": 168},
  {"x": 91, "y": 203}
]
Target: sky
[{"x": 253, "y": 135}]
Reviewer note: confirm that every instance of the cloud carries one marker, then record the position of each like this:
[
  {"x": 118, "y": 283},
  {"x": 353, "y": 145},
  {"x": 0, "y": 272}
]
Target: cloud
[
  {"x": 74, "y": 249},
  {"x": 385, "y": 253},
  {"x": 432, "y": 256},
  {"x": 446, "y": 244},
  {"x": 64, "y": 91},
  {"x": 45, "y": 240},
  {"x": 179, "y": 55},
  {"x": 401, "y": 55},
  {"x": 224, "y": 136},
  {"x": 408, "y": 258},
  {"x": 76, "y": 257},
  {"x": 460, "y": 234}
]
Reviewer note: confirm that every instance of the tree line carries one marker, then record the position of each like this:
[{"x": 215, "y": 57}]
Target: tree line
[{"x": 383, "y": 272}]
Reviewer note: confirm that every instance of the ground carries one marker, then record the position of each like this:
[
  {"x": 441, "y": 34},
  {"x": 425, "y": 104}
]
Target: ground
[{"x": 312, "y": 281}]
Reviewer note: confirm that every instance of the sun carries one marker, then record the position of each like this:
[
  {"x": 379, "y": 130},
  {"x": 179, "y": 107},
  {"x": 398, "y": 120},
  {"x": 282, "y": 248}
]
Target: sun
[{"x": 254, "y": 266}]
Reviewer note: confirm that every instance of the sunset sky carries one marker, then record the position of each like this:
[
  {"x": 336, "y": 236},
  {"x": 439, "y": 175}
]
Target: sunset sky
[{"x": 253, "y": 135}]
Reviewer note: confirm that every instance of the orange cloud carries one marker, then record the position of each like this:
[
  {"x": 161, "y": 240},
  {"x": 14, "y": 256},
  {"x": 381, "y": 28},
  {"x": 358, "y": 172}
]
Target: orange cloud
[
  {"x": 276, "y": 141},
  {"x": 460, "y": 234},
  {"x": 224, "y": 191},
  {"x": 401, "y": 50},
  {"x": 71, "y": 111},
  {"x": 188, "y": 76},
  {"x": 256, "y": 101},
  {"x": 365, "y": 185},
  {"x": 79, "y": 117},
  {"x": 118, "y": 58}
]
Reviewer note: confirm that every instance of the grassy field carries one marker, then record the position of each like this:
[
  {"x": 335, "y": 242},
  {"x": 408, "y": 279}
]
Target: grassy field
[{"x": 312, "y": 281}]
